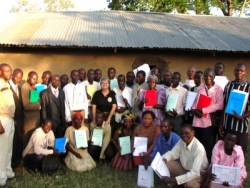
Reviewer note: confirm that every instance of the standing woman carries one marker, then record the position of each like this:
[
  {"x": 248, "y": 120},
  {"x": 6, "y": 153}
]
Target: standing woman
[
  {"x": 161, "y": 100},
  {"x": 104, "y": 101},
  {"x": 78, "y": 159},
  {"x": 205, "y": 132}
]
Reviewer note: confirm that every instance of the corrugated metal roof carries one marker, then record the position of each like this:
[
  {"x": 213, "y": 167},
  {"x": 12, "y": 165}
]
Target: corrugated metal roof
[{"x": 119, "y": 29}]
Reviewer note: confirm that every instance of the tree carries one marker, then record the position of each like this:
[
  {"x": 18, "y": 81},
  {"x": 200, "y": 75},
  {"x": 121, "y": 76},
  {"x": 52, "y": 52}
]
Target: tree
[
  {"x": 25, "y": 6},
  {"x": 58, "y": 5}
]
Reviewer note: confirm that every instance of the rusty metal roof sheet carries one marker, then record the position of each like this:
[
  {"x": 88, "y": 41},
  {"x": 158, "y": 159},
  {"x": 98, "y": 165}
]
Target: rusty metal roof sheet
[{"x": 119, "y": 29}]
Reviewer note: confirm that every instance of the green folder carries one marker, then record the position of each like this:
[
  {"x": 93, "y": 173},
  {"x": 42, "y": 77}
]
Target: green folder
[
  {"x": 171, "y": 102},
  {"x": 34, "y": 96},
  {"x": 97, "y": 137},
  {"x": 124, "y": 143}
]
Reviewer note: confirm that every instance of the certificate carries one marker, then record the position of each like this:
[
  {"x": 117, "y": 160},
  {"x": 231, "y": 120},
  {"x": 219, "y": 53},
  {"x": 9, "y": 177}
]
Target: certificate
[
  {"x": 226, "y": 173},
  {"x": 191, "y": 96},
  {"x": 127, "y": 96},
  {"x": 221, "y": 81},
  {"x": 125, "y": 144},
  {"x": 119, "y": 100},
  {"x": 60, "y": 144},
  {"x": 97, "y": 137},
  {"x": 171, "y": 101},
  {"x": 91, "y": 89},
  {"x": 140, "y": 145},
  {"x": 80, "y": 137},
  {"x": 145, "y": 177},
  {"x": 159, "y": 166},
  {"x": 113, "y": 84},
  {"x": 145, "y": 67}
]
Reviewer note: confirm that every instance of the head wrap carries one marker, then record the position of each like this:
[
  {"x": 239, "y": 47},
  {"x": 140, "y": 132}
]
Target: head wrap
[
  {"x": 78, "y": 114},
  {"x": 127, "y": 116}
]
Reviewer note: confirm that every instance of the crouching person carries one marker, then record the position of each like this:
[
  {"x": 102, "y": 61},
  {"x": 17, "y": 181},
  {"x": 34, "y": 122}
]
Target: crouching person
[
  {"x": 40, "y": 148},
  {"x": 193, "y": 160}
]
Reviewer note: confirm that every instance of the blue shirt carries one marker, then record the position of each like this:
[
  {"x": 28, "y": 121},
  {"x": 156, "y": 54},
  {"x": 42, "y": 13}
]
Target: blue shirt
[{"x": 163, "y": 146}]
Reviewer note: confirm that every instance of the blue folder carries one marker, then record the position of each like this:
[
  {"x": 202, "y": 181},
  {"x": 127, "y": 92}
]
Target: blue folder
[{"x": 60, "y": 144}]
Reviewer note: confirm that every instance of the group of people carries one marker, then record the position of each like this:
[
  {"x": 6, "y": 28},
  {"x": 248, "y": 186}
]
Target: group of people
[{"x": 185, "y": 139}]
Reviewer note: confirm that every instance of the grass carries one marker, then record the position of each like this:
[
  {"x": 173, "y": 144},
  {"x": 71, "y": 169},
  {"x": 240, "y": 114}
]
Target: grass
[{"x": 100, "y": 177}]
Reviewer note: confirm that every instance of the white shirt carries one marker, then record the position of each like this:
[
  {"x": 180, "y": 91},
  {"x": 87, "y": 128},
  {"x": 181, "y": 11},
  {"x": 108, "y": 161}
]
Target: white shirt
[
  {"x": 14, "y": 87},
  {"x": 39, "y": 142},
  {"x": 189, "y": 83},
  {"x": 75, "y": 99},
  {"x": 192, "y": 157},
  {"x": 182, "y": 95}
]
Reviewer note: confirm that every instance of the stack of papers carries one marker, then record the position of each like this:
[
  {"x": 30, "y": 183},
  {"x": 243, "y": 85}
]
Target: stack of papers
[
  {"x": 221, "y": 81},
  {"x": 125, "y": 144},
  {"x": 237, "y": 102},
  {"x": 151, "y": 96},
  {"x": 140, "y": 145},
  {"x": 159, "y": 166},
  {"x": 60, "y": 144},
  {"x": 80, "y": 137},
  {"x": 191, "y": 96},
  {"x": 145, "y": 177},
  {"x": 34, "y": 96},
  {"x": 97, "y": 137},
  {"x": 171, "y": 102},
  {"x": 145, "y": 68},
  {"x": 91, "y": 89}
]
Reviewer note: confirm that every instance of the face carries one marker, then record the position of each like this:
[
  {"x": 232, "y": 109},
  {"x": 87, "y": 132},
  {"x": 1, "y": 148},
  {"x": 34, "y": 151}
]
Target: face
[
  {"x": 64, "y": 80},
  {"x": 74, "y": 76},
  {"x": 190, "y": 73},
  {"x": 140, "y": 78},
  {"x": 152, "y": 84},
  {"x": 98, "y": 75},
  {"x": 111, "y": 74},
  {"x": 209, "y": 78},
  {"x": 187, "y": 135},
  {"x": 240, "y": 72},
  {"x": 82, "y": 75},
  {"x": 219, "y": 69},
  {"x": 56, "y": 81},
  {"x": 32, "y": 80},
  {"x": 166, "y": 77},
  {"x": 147, "y": 120},
  {"x": 99, "y": 119},
  {"x": 166, "y": 128},
  {"x": 47, "y": 127},
  {"x": 155, "y": 72},
  {"x": 121, "y": 82},
  {"x": 128, "y": 123},
  {"x": 230, "y": 141},
  {"x": 17, "y": 78},
  {"x": 175, "y": 80},
  {"x": 91, "y": 75},
  {"x": 77, "y": 121},
  {"x": 104, "y": 85},
  {"x": 198, "y": 79},
  {"x": 6, "y": 72},
  {"x": 46, "y": 79},
  {"x": 130, "y": 77}
]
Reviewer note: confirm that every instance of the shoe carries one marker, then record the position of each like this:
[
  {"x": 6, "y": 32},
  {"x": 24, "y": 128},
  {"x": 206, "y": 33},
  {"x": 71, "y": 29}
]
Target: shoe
[{"x": 6, "y": 186}]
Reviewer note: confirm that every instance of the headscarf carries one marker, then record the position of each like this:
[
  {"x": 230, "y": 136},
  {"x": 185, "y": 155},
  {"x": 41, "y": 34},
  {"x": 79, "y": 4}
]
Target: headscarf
[
  {"x": 78, "y": 114},
  {"x": 127, "y": 116}
]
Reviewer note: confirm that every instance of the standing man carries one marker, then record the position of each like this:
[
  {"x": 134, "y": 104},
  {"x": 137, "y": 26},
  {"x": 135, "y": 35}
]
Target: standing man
[
  {"x": 155, "y": 71},
  {"x": 82, "y": 75},
  {"x": 64, "y": 81},
  {"x": 53, "y": 107},
  {"x": 219, "y": 69},
  {"x": 98, "y": 75},
  {"x": 236, "y": 122},
  {"x": 130, "y": 78},
  {"x": 75, "y": 98},
  {"x": 7, "y": 110},
  {"x": 166, "y": 79},
  {"x": 17, "y": 77},
  {"x": 31, "y": 110},
  {"x": 189, "y": 83}
]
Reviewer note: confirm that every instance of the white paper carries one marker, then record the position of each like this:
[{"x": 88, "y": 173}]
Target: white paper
[
  {"x": 226, "y": 173},
  {"x": 127, "y": 96},
  {"x": 119, "y": 100},
  {"x": 191, "y": 96},
  {"x": 221, "y": 81},
  {"x": 159, "y": 166},
  {"x": 97, "y": 137},
  {"x": 140, "y": 145},
  {"x": 145, "y": 177},
  {"x": 145, "y": 68},
  {"x": 80, "y": 139}
]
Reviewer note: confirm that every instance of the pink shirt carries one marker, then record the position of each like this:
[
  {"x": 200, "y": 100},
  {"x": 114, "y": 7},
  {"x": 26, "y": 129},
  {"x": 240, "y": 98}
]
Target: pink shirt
[
  {"x": 235, "y": 160},
  {"x": 217, "y": 104}
]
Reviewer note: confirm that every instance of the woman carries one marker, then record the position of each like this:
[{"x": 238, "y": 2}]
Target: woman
[
  {"x": 161, "y": 100},
  {"x": 227, "y": 153},
  {"x": 104, "y": 101},
  {"x": 77, "y": 159},
  {"x": 147, "y": 129},
  {"x": 127, "y": 121}
]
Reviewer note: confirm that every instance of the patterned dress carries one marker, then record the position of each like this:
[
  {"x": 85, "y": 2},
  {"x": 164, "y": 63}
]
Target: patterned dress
[{"x": 74, "y": 163}]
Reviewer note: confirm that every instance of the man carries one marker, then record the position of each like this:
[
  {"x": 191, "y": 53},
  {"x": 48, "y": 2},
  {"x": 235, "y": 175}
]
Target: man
[
  {"x": 166, "y": 78},
  {"x": 7, "y": 110},
  {"x": 31, "y": 110},
  {"x": 236, "y": 122},
  {"x": 155, "y": 71},
  {"x": 140, "y": 85},
  {"x": 219, "y": 69},
  {"x": 46, "y": 78},
  {"x": 53, "y": 107},
  {"x": 112, "y": 79},
  {"x": 75, "y": 98},
  {"x": 130, "y": 78},
  {"x": 64, "y": 79},
  {"x": 18, "y": 118},
  {"x": 82, "y": 75},
  {"x": 176, "y": 115},
  {"x": 37, "y": 148},
  {"x": 165, "y": 141},
  {"x": 190, "y": 81},
  {"x": 192, "y": 162},
  {"x": 96, "y": 151},
  {"x": 98, "y": 75}
]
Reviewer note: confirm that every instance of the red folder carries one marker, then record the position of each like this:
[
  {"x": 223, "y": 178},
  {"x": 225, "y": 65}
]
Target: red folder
[
  {"x": 151, "y": 95},
  {"x": 203, "y": 102}
]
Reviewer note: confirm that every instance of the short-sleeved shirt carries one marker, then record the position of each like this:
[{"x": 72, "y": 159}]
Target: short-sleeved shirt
[{"x": 103, "y": 103}]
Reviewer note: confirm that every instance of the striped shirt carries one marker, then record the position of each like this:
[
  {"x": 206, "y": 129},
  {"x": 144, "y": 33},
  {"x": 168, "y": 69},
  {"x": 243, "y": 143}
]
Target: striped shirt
[{"x": 229, "y": 122}]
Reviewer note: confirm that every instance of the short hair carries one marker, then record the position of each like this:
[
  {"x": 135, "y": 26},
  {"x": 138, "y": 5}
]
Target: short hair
[
  {"x": 121, "y": 76},
  {"x": 130, "y": 72},
  {"x": 112, "y": 68},
  {"x": 104, "y": 80},
  {"x": 167, "y": 120},
  {"x": 31, "y": 73},
  {"x": 100, "y": 113},
  {"x": 64, "y": 75},
  {"x": 209, "y": 70},
  {"x": 47, "y": 120},
  {"x": 177, "y": 73},
  {"x": 142, "y": 73},
  {"x": 148, "y": 112},
  {"x": 187, "y": 126},
  {"x": 4, "y": 64},
  {"x": 240, "y": 64},
  {"x": 231, "y": 132},
  {"x": 199, "y": 72},
  {"x": 167, "y": 71},
  {"x": 45, "y": 73},
  {"x": 90, "y": 70},
  {"x": 191, "y": 67},
  {"x": 80, "y": 69},
  {"x": 97, "y": 70},
  {"x": 55, "y": 75},
  {"x": 72, "y": 72},
  {"x": 220, "y": 63},
  {"x": 153, "y": 77},
  {"x": 17, "y": 70}
]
